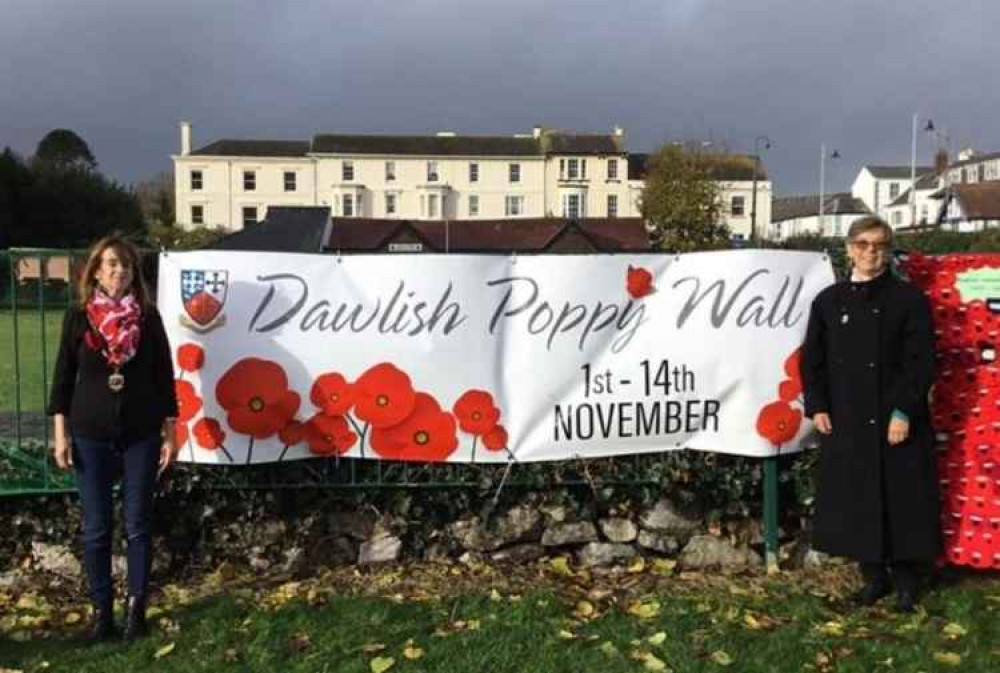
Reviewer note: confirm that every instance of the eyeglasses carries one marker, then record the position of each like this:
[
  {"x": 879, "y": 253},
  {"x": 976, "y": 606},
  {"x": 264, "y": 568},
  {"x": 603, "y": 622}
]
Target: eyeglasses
[{"x": 865, "y": 246}]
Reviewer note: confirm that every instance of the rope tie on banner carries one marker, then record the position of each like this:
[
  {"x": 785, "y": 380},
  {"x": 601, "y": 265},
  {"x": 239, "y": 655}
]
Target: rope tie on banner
[
  {"x": 503, "y": 482},
  {"x": 513, "y": 257},
  {"x": 339, "y": 256}
]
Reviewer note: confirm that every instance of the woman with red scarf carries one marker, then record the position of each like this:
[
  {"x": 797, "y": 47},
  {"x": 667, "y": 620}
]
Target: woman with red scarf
[{"x": 114, "y": 406}]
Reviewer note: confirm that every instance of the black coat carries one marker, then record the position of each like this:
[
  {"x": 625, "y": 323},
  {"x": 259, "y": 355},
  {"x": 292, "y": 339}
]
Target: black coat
[
  {"x": 80, "y": 383},
  {"x": 869, "y": 349}
]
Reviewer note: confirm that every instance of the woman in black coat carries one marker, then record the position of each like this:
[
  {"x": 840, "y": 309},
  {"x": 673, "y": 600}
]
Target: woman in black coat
[
  {"x": 114, "y": 405},
  {"x": 867, "y": 368}
]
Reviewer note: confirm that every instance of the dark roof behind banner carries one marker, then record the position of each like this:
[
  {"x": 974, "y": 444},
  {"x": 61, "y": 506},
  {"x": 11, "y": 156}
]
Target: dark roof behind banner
[{"x": 285, "y": 229}]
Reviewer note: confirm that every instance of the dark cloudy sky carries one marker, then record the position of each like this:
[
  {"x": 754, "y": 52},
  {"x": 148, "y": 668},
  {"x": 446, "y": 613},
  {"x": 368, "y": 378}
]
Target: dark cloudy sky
[{"x": 850, "y": 73}]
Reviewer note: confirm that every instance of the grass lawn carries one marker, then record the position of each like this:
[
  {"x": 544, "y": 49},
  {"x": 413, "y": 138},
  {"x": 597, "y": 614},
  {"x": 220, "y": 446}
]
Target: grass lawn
[
  {"x": 29, "y": 325},
  {"x": 641, "y": 619}
]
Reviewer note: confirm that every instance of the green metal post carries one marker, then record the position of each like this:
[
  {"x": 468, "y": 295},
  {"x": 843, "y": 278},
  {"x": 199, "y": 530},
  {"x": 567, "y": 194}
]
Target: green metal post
[
  {"x": 42, "y": 269},
  {"x": 17, "y": 351},
  {"x": 771, "y": 512}
]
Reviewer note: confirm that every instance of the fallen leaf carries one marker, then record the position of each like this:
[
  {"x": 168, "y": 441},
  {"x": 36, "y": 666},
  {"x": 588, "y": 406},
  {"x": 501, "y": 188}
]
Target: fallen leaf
[
  {"x": 164, "y": 651},
  {"x": 72, "y": 618},
  {"x": 657, "y": 638},
  {"x": 664, "y": 566},
  {"x": 954, "y": 631},
  {"x": 560, "y": 565},
  {"x": 721, "y": 657},
  {"x": 831, "y": 628},
  {"x": 584, "y": 609},
  {"x": 646, "y": 610},
  {"x": 608, "y": 649},
  {"x": 948, "y": 658},
  {"x": 372, "y": 648},
  {"x": 566, "y": 635},
  {"x": 412, "y": 652},
  {"x": 299, "y": 642},
  {"x": 652, "y": 663},
  {"x": 495, "y": 595},
  {"x": 231, "y": 655},
  {"x": 637, "y": 565},
  {"x": 382, "y": 664}
]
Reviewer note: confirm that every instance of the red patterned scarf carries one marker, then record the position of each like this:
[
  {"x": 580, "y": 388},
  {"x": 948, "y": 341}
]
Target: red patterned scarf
[{"x": 117, "y": 322}]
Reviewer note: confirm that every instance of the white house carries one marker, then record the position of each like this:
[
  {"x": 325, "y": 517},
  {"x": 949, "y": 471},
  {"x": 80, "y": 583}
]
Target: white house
[
  {"x": 970, "y": 207},
  {"x": 545, "y": 173},
  {"x": 880, "y": 186},
  {"x": 972, "y": 167},
  {"x": 800, "y": 215},
  {"x": 918, "y": 206}
]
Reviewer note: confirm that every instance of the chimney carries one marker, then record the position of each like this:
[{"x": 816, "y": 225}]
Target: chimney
[
  {"x": 618, "y": 131},
  {"x": 185, "y": 138},
  {"x": 536, "y": 132},
  {"x": 446, "y": 134}
]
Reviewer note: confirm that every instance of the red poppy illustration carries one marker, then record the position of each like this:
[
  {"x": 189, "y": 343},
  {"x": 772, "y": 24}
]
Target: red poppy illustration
[
  {"x": 190, "y": 357},
  {"x": 428, "y": 434},
  {"x": 793, "y": 365},
  {"x": 256, "y": 397},
  {"x": 384, "y": 396},
  {"x": 476, "y": 412},
  {"x": 778, "y": 422},
  {"x": 333, "y": 394},
  {"x": 188, "y": 402},
  {"x": 639, "y": 282},
  {"x": 495, "y": 439},
  {"x": 180, "y": 433},
  {"x": 790, "y": 389},
  {"x": 209, "y": 434},
  {"x": 292, "y": 434},
  {"x": 329, "y": 435}
]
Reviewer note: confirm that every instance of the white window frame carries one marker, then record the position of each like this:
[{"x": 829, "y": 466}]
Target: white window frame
[
  {"x": 893, "y": 190},
  {"x": 513, "y": 205},
  {"x": 474, "y": 171},
  {"x": 433, "y": 205},
  {"x": 612, "y": 169},
  {"x": 572, "y": 169},
  {"x": 347, "y": 206},
  {"x": 742, "y": 200},
  {"x": 473, "y": 205},
  {"x": 249, "y": 180},
  {"x": 391, "y": 203},
  {"x": 433, "y": 172},
  {"x": 514, "y": 173},
  {"x": 247, "y": 221},
  {"x": 390, "y": 171},
  {"x": 612, "y": 205},
  {"x": 294, "y": 181},
  {"x": 197, "y": 180},
  {"x": 574, "y": 206},
  {"x": 197, "y": 214},
  {"x": 347, "y": 173}
]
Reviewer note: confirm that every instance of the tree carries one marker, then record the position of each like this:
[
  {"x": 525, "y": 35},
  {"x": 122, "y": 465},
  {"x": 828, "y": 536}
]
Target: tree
[
  {"x": 63, "y": 147},
  {"x": 680, "y": 201},
  {"x": 156, "y": 198}
]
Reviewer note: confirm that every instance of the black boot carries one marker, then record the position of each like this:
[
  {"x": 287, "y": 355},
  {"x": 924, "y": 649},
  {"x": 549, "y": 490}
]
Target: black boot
[
  {"x": 876, "y": 584},
  {"x": 135, "y": 618},
  {"x": 103, "y": 628},
  {"x": 906, "y": 579}
]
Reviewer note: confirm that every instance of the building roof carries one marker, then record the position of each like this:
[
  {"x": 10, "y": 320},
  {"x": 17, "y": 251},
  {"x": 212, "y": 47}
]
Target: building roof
[
  {"x": 896, "y": 172},
  {"x": 979, "y": 201},
  {"x": 975, "y": 159},
  {"x": 794, "y": 207},
  {"x": 254, "y": 148},
  {"x": 285, "y": 229},
  {"x": 722, "y": 167},
  {"x": 561, "y": 142},
  {"x": 522, "y": 234},
  {"x": 924, "y": 182},
  {"x": 508, "y": 146}
]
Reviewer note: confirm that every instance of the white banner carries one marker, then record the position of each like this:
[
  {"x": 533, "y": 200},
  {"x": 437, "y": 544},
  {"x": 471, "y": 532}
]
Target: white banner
[{"x": 486, "y": 358}]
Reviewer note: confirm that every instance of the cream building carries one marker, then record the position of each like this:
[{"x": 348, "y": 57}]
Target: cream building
[{"x": 230, "y": 183}]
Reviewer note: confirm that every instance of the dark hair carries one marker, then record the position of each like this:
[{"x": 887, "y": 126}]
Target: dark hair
[
  {"x": 129, "y": 254},
  {"x": 868, "y": 223}
]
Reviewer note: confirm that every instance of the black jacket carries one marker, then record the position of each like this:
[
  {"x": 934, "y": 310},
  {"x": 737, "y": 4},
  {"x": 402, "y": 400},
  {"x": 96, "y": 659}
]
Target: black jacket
[
  {"x": 869, "y": 350},
  {"x": 80, "y": 383}
]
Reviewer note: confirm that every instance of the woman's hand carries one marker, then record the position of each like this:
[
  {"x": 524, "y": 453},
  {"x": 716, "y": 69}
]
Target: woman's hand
[
  {"x": 168, "y": 450},
  {"x": 63, "y": 449},
  {"x": 898, "y": 430},
  {"x": 822, "y": 422}
]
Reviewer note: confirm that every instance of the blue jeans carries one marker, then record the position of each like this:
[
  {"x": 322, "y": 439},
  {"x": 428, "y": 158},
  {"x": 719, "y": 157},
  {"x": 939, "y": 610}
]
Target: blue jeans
[{"x": 98, "y": 464}]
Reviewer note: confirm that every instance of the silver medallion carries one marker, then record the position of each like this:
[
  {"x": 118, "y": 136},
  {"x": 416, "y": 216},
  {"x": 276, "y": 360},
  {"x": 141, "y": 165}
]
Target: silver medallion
[{"x": 116, "y": 382}]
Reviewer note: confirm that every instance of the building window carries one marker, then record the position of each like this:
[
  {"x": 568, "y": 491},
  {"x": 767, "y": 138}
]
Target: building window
[
  {"x": 249, "y": 181},
  {"x": 612, "y": 169},
  {"x": 513, "y": 206},
  {"x": 196, "y": 181},
  {"x": 249, "y": 215},
  {"x": 432, "y": 171},
  {"x": 737, "y": 206},
  {"x": 897, "y": 217},
  {"x": 583, "y": 169},
  {"x": 572, "y": 169},
  {"x": 573, "y": 206},
  {"x": 347, "y": 203},
  {"x": 923, "y": 214},
  {"x": 390, "y": 204},
  {"x": 893, "y": 190},
  {"x": 473, "y": 205},
  {"x": 390, "y": 171},
  {"x": 432, "y": 206},
  {"x": 347, "y": 171},
  {"x": 289, "y": 181},
  {"x": 514, "y": 173},
  {"x": 612, "y": 205},
  {"x": 473, "y": 172},
  {"x": 198, "y": 215}
]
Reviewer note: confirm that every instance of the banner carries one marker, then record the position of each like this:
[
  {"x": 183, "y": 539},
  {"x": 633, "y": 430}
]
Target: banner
[{"x": 486, "y": 358}]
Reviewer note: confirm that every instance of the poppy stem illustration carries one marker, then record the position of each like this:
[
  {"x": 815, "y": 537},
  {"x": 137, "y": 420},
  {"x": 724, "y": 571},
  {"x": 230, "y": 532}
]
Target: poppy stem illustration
[
  {"x": 511, "y": 454},
  {"x": 475, "y": 438},
  {"x": 226, "y": 451},
  {"x": 250, "y": 450},
  {"x": 361, "y": 433}
]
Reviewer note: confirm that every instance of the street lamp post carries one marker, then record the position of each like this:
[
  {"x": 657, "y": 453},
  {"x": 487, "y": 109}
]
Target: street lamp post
[
  {"x": 822, "y": 182},
  {"x": 756, "y": 169},
  {"x": 928, "y": 128}
]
